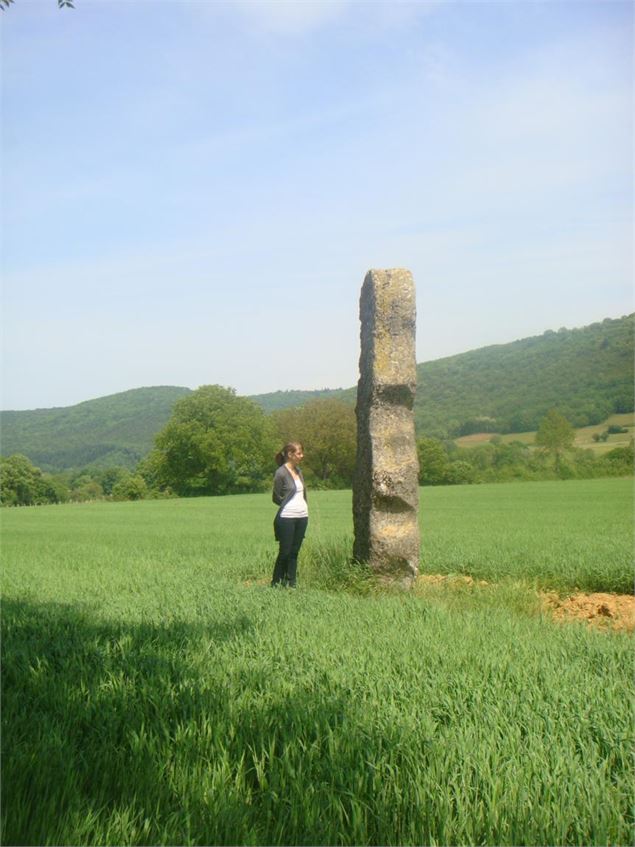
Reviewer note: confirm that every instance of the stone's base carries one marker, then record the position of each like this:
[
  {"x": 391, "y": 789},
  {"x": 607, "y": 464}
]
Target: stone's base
[
  {"x": 386, "y": 489},
  {"x": 394, "y": 544},
  {"x": 390, "y": 581}
]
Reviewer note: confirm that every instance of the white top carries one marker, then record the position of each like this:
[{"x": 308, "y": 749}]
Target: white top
[{"x": 296, "y": 507}]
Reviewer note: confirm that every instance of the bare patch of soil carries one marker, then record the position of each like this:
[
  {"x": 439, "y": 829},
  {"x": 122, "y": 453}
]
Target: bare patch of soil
[
  {"x": 608, "y": 611},
  {"x": 449, "y": 579},
  {"x": 613, "y": 611}
]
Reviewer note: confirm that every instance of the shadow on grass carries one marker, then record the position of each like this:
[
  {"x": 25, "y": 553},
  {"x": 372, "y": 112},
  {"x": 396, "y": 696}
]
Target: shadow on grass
[{"x": 135, "y": 734}]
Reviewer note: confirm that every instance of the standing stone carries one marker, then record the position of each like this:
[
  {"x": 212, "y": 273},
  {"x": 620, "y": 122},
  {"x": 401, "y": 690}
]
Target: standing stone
[{"x": 386, "y": 485}]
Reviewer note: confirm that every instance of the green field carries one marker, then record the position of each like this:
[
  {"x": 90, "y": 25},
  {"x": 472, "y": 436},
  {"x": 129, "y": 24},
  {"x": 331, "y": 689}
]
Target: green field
[
  {"x": 583, "y": 435},
  {"x": 156, "y": 691}
]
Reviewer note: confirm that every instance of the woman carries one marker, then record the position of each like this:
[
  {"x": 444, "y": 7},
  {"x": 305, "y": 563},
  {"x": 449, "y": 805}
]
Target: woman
[{"x": 290, "y": 523}]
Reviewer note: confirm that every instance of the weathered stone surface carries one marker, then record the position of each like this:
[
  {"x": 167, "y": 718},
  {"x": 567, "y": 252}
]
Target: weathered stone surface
[{"x": 385, "y": 490}]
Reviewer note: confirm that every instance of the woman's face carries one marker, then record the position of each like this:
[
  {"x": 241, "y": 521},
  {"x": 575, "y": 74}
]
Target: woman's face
[{"x": 297, "y": 455}]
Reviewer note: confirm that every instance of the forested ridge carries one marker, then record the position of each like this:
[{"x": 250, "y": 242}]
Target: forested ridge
[
  {"x": 115, "y": 430},
  {"x": 587, "y": 374}
]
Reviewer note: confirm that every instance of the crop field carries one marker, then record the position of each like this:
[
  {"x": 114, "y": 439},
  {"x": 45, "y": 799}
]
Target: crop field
[{"x": 157, "y": 691}]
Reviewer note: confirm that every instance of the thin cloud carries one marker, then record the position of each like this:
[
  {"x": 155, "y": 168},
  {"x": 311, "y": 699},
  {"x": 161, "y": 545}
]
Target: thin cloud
[
  {"x": 292, "y": 18},
  {"x": 209, "y": 166}
]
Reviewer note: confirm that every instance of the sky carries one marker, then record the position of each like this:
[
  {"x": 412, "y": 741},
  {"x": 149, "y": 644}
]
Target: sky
[{"x": 193, "y": 191}]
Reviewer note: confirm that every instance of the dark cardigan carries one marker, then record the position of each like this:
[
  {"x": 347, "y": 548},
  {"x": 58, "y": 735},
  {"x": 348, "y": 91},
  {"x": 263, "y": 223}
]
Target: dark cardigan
[{"x": 283, "y": 491}]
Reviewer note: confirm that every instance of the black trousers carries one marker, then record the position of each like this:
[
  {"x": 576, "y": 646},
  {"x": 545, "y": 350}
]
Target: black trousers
[{"x": 290, "y": 533}]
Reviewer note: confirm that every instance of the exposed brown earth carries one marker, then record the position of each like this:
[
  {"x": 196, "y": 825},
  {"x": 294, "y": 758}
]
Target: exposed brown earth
[
  {"x": 456, "y": 579},
  {"x": 615, "y": 611},
  {"x": 608, "y": 611}
]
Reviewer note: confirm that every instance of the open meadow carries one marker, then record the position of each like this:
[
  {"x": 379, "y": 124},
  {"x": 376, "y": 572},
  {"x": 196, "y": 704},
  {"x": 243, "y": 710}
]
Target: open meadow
[
  {"x": 157, "y": 691},
  {"x": 583, "y": 435}
]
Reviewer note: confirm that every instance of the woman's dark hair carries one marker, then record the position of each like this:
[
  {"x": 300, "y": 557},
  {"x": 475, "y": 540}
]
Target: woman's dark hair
[{"x": 283, "y": 455}]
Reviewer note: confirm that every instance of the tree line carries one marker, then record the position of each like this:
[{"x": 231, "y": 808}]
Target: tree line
[
  {"x": 219, "y": 443},
  {"x": 215, "y": 443},
  {"x": 552, "y": 457}
]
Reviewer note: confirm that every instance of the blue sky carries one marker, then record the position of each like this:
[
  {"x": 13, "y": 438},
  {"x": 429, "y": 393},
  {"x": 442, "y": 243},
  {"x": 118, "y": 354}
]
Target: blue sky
[{"x": 194, "y": 191}]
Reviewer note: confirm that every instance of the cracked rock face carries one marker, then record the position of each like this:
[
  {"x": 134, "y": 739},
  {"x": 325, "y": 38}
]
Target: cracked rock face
[{"x": 385, "y": 490}]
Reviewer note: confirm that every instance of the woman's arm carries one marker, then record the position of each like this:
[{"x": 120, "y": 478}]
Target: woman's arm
[{"x": 280, "y": 485}]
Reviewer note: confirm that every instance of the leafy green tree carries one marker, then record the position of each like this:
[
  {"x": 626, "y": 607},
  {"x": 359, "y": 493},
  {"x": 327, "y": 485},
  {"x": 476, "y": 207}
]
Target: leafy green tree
[
  {"x": 23, "y": 484},
  {"x": 482, "y": 457},
  {"x": 20, "y": 482},
  {"x": 623, "y": 401},
  {"x": 84, "y": 488},
  {"x": 109, "y": 477},
  {"x": 555, "y": 435},
  {"x": 511, "y": 453},
  {"x": 327, "y": 430},
  {"x": 54, "y": 489},
  {"x": 215, "y": 443},
  {"x": 130, "y": 487},
  {"x": 624, "y": 456},
  {"x": 150, "y": 468},
  {"x": 433, "y": 461},
  {"x": 459, "y": 473}
]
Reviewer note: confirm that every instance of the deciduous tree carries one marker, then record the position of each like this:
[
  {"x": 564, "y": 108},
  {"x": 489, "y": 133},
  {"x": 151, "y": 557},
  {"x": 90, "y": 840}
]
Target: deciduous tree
[
  {"x": 215, "y": 443},
  {"x": 327, "y": 429},
  {"x": 20, "y": 481},
  {"x": 433, "y": 461},
  {"x": 129, "y": 487},
  {"x": 555, "y": 435}
]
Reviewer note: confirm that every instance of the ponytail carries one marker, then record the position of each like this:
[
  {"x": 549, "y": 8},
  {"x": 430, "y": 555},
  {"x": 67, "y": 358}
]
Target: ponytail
[{"x": 283, "y": 455}]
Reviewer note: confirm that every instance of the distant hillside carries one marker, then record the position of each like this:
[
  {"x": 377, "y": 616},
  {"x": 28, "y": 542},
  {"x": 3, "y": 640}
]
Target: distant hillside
[
  {"x": 277, "y": 400},
  {"x": 587, "y": 373},
  {"x": 110, "y": 431}
]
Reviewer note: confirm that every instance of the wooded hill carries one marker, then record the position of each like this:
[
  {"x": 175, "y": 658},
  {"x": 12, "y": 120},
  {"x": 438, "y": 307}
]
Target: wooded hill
[
  {"x": 111, "y": 431},
  {"x": 586, "y": 373}
]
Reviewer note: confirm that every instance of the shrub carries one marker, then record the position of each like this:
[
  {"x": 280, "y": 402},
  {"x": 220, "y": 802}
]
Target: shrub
[
  {"x": 130, "y": 488},
  {"x": 459, "y": 472}
]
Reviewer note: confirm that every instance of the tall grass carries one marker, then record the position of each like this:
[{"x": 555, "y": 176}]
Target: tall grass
[
  {"x": 156, "y": 691},
  {"x": 564, "y": 535},
  {"x": 309, "y": 718}
]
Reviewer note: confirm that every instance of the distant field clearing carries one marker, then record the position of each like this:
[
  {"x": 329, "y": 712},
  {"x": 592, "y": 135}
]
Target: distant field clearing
[{"x": 583, "y": 438}]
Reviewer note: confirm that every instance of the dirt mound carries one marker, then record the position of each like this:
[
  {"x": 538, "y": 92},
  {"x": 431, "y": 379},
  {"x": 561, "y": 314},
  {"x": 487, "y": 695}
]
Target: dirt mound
[
  {"x": 615, "y": 611},
  {"x": 610, "y": 611}
]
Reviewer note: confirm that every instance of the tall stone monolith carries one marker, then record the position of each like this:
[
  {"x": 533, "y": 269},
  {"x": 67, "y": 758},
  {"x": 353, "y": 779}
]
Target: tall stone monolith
[{"x": 385, "y": 489}]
